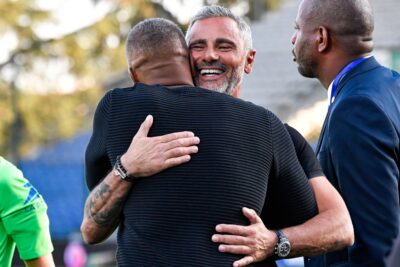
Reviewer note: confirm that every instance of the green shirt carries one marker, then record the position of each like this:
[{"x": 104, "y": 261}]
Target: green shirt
[{"x": 23, "y": 218}]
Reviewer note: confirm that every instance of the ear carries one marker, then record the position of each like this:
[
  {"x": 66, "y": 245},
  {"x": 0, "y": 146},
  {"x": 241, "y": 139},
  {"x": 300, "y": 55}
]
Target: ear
[
  {"x": 323, "y": 39},
  {"x": 133, "y": 76},
  {"x": 251, "y": 54}
]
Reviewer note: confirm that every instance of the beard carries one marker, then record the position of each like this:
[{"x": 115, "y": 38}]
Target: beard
[
  {"x": 230, "y": 82},
  {"x": 306, "y": 65}
]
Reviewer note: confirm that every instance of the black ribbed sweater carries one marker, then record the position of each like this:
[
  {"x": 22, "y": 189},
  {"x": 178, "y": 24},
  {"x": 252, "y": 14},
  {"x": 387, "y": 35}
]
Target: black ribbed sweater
[{"x": 169, "y": 218}]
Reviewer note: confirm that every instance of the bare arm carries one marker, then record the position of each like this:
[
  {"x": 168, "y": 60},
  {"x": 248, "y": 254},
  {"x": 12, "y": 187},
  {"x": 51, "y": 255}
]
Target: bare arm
[
  {"x": 102, "y": 208},
  {"x": 145, "y": 157},
  {"x": 330, "y": 230},
  {"x": 43, "y": 261}
]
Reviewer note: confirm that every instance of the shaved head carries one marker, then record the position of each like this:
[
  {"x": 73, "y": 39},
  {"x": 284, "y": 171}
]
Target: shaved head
[{"x": 351, "y": 22}]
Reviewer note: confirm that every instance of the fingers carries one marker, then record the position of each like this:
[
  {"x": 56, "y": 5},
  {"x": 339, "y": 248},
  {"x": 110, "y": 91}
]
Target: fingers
[
  {"x": 235, "y": 249},
  {"x": 231, "y": 239},
  {"x": 182, "y": 142},
  {"x": 176, "y": 161},
  {"x": 173, "y": 136},
  {"x": 181, "y": 151},
  {"x": 145, "y": 126},
  {"x": 233, "y": 229},
  {"x": 243, "y": 261},
  {"x": 251, "y": 215}
]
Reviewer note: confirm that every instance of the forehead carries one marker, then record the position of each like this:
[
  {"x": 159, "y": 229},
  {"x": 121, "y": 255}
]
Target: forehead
[
  {"x": 303, "y": 11},
  {"x": 211, "y": 29}
]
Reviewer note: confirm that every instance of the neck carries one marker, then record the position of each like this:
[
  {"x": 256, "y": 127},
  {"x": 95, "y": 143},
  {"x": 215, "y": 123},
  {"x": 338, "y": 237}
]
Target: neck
[
  {"x": 331, "y": 67},
  {"x": 167, "y": 74},
  {"x": 236, "y": 92}
]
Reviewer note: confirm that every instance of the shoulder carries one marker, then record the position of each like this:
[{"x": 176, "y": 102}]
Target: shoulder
[
  {"x": 358, "y": 105},
  {"x": 376, "y": 82},
  {"x": 294, "y": 134},
  {"x": 8, "y": 173},
  {"x": 361, "y": 117}
]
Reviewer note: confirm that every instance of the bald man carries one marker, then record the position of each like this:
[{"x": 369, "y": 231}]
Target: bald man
[{"x": 359, "y": 144}]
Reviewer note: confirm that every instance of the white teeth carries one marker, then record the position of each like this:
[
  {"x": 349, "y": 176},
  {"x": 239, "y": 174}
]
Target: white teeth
[{"x": 210, "y": 71}]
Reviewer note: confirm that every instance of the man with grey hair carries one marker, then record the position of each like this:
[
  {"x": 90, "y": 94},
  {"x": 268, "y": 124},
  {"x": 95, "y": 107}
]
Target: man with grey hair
[
  {"x": 220, "y": 46},
  {"x": 233, "y": 76},
  {"x": 359, "y": 146}
]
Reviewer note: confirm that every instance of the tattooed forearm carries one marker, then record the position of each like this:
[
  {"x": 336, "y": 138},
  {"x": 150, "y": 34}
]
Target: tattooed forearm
[{"x": 102, "y": 207}]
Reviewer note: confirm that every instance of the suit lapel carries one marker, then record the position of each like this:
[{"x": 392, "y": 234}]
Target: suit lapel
[
  {"x": 321, "y": 135},
  {"x": 367, "y": 65}
]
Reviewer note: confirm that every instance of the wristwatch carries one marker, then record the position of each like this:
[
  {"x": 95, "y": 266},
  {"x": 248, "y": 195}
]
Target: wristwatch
[
  {"x": 282, "y": 247},
  {"x": 120, "y": 171}
]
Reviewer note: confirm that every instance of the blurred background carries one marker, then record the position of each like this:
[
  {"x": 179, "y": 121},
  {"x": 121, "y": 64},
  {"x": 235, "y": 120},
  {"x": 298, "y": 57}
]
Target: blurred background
[{"x": 57, "y": 59}]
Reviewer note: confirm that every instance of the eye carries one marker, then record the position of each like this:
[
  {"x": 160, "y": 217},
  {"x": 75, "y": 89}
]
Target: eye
[
  {"x": 196, "y": 47},
  {"x": 225, "y": 47}
]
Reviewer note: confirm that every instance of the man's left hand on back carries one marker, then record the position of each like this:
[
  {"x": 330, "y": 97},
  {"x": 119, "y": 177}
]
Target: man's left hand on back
[{"x": 255, "y": 240}]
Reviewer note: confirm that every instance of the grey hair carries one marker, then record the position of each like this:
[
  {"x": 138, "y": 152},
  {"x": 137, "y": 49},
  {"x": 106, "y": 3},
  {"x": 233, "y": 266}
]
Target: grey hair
[{"x": 219, "y": 11}]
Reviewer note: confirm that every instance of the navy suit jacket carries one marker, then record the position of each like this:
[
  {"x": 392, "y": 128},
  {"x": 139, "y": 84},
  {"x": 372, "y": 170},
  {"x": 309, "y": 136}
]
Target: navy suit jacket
[{"x": 359, "y": 153}]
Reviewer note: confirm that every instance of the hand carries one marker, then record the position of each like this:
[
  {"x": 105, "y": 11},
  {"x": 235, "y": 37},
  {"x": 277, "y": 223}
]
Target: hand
[
  {"x": 255, "y": 240},
  {"x": 149, "y": 155}
]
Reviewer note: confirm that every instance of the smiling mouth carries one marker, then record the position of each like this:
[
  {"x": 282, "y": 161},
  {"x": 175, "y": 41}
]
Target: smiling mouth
[{"x": 209, "y": 72}]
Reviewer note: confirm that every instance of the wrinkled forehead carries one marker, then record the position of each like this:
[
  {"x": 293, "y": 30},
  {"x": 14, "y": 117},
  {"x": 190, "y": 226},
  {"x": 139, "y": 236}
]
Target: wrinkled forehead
[{"x": 212, "y": 29}]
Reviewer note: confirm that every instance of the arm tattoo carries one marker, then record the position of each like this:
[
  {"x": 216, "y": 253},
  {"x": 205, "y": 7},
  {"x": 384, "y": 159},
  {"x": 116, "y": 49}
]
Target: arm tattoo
[{"x": 110, "y": 213}]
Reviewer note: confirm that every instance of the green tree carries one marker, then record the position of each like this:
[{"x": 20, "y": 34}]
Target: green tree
[
  {"x": 33, "y": 111},
  {"x": 35, "y": 70}
]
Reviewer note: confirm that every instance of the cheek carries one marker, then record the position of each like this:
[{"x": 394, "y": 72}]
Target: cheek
[
  {"x": 196, "y": 56},
  {"x": 230, "y": 60}
]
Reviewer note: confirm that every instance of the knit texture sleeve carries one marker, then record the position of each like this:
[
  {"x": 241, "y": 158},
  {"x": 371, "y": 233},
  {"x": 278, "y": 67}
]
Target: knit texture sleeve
[
  {"x": 305, "y": 154},
  {"x": 97, "y": 164},
  {"x": 290, "y": 200}
]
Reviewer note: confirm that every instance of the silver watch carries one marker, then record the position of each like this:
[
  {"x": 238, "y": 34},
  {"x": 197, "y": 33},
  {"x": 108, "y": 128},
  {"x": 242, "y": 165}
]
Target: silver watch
[{"x": 282, "y": 247}]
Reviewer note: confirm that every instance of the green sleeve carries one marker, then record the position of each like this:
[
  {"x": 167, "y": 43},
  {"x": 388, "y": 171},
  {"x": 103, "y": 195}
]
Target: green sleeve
[
  {"x": 23, "y": 213},
  {"x": 30, "y": 231}
]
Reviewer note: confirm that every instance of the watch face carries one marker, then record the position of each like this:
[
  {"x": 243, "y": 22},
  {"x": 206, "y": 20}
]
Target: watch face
[{"x": 284, "y": 249}]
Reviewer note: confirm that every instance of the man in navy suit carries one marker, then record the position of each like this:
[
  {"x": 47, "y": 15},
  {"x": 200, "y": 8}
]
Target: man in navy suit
[{"x": 359, "y": 143}]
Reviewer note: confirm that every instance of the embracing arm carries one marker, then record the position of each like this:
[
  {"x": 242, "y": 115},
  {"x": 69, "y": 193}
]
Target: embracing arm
[
  {"x": 102, "y": 208},
  {"x": 328, "y": 230},
  {"x": 145, "y": 157},
  {"x": 332, "y": 228}
]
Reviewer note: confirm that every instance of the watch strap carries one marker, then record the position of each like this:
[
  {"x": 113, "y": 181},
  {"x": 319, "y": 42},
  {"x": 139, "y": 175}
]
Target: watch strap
[
  {"x": 120, "y": 171},
  {"x": 282, "y": 247}
]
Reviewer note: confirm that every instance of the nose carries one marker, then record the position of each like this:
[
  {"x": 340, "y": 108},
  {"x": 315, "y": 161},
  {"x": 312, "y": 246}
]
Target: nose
[
  {"x": 211, "y": 55},
  {"x": 294, "y": 36}
]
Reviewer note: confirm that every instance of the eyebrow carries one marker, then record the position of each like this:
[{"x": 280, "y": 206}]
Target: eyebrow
[
  {"x": 224, "y": 40},
  {"x": 218, "y": 41},
  {"x": 198, "y": 41}
]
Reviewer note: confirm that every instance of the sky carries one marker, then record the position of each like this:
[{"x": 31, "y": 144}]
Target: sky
[
  {"x": 70, "y": 16},
  {"x": 74, "y": 14}
]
